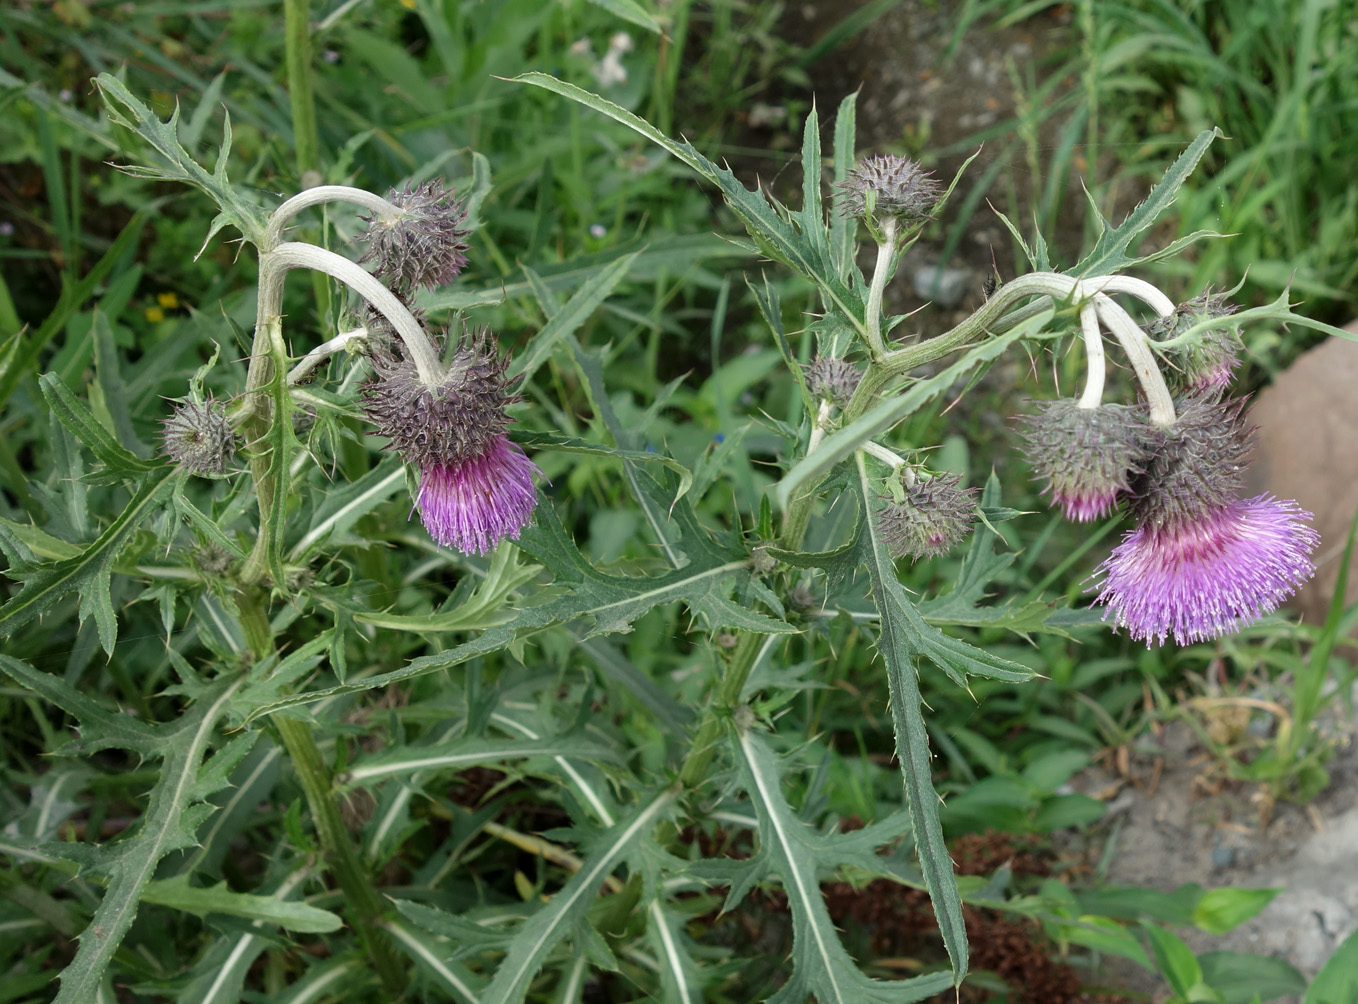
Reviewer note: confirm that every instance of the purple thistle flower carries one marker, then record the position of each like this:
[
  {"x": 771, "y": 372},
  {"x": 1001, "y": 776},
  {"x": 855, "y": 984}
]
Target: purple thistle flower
[
  {"x": 473, "y": 505},
  {"x": 1202, "y": 562},
  {"x": 1201, "y": 577},
  {"x": 476, "y": 487}
]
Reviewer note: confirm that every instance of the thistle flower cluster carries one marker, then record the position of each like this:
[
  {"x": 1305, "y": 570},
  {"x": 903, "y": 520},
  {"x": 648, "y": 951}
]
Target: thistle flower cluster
[
  {"x": 198, "y": 437},
  {"x": 1202, "y": 562},
  {"x": 931, "y": 518},
  {"x": 889, "y": 188}
]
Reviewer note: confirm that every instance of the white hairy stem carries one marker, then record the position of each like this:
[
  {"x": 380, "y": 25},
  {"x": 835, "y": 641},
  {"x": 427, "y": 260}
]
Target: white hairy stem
[
  {"x": 1137, "y": 346},
  {"x": 275, "y": 264},
  {"x": 1094, "y": 357},
  {"x": 319, "y": 195},
  {"x": 322, "y": 352},
  {"x": 885, "y": 251},
  {"x": 1138, "y": 288},
  {"x": 882, "y": 453}
]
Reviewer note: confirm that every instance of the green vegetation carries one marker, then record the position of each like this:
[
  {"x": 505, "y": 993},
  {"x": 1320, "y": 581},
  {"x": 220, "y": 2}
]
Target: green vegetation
[{"x": 264, "y": 740}]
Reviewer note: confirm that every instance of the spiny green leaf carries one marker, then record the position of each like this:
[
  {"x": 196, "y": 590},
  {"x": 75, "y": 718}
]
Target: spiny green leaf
[
  {"x": 768, "y": 224},
  {"x": 552, "y": 922},
  {"x": 487, "y": 607},
  {"x": 844, "y": 229},
  {"x": 466, "y": 935},
  {"x": 551, "y": 442},
  {"x": 177, "y": 894},
  {"x": 459, "y": 754},
  {"x": 89, "y": 571},
  {"x": 279, "y": 443},
  {"x": 344, "y": 506},
  {"x": 788, "y": 849},
  {"x": 568, "y": 319},
  {"x": 171, "y": 818},
  {"x": 591, "y": 367},
  {"x": 125, "y": 110},
  {"x": 900, "y": 647},
  {"x": 100, "y": 727},
  {"x": 434, "y": 957},
  {"x": 1110, "y": 250},
  {"x": 607, "y": 602},
  {"x": 76, "y": 417}
]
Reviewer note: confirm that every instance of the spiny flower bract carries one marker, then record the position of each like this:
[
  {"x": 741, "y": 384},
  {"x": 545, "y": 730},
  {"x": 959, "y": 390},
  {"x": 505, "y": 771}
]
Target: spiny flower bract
[
  {"x": 1086, "y": 455},
  {"x": 932, "y": 519},
  {"x": 422, "y": 245},
  {"x": 455, "y": 421},
  {"x": 835, "y": 379},
  {"x": 1195, "y": 466},
  {"x": 1208, "y": 362},
  {"x": 889, "y": 187},
  {"x": 199, "y": 438}
]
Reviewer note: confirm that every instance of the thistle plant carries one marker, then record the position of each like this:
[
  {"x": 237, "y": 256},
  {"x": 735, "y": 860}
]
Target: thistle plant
[{"x": 514, "y": 668}]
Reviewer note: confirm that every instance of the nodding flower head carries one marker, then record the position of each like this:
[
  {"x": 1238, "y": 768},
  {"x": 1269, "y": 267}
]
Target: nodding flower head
[
  {"x": 422, "y": 245},
  {"x": 889, "y": 187},
  {"x": 1195, "y": 466},
  {"x": 1203, "y": 562},
  {"x": 199, "y": 438},
  {"x": 835, "y": 379},
  {"x": 932, "y": 519},
  {"x": 1208, "y": 362},
  {"x": 1086, "y": 455},
  {"x": 476, "y": 487}
]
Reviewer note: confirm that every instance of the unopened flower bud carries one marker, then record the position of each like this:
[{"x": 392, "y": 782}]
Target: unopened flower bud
[
  {"x": 1208, "y": 362},
  {"x": 199, "y": 438},
  {"x": 422, "y": 245},
  {"x": 834, "y": 379},
  {"x": 1086, "y": 455},
  {"x": 934, "y": 516},
  {"x": 889, "y": 187}
]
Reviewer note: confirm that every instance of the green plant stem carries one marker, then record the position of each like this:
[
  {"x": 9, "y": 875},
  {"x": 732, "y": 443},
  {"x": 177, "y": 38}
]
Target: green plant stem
[
  {"x": 297, "y": 45},
  {"x": 704, "y": 746},
  {"x": 363, "y": 903},
  {"x": 886, "y": 252}
]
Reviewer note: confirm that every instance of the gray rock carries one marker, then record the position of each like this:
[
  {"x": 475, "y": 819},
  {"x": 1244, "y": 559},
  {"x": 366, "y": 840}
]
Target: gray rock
[{"x": 946, "y": 287}]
